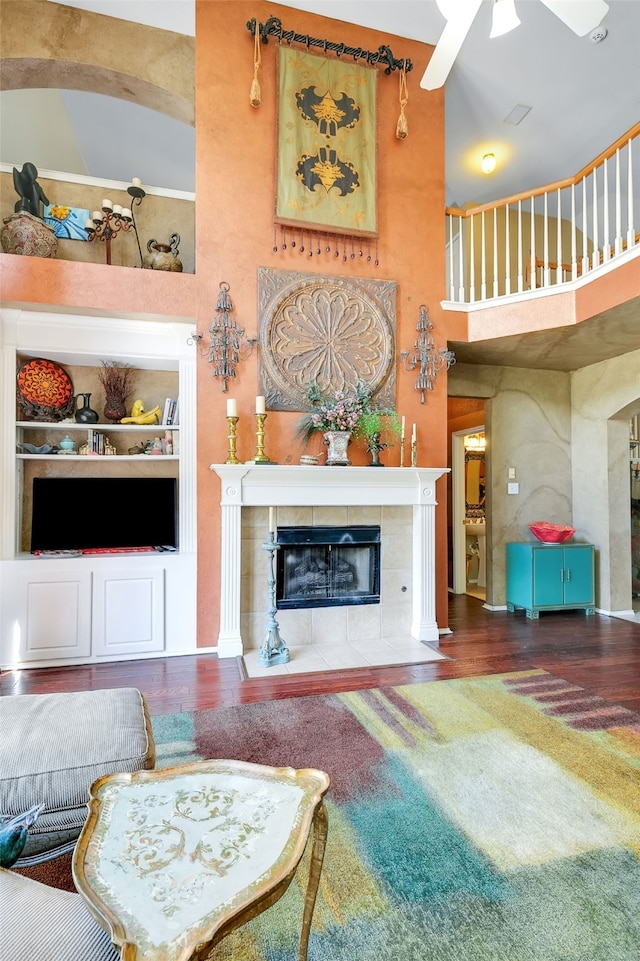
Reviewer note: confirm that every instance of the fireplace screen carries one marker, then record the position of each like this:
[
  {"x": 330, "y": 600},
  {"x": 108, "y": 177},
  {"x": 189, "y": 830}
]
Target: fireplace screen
[{"x": 327, "y": 566}]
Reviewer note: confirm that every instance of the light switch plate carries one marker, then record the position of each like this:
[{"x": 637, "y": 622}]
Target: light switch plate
[
  {"x": 513, "y": 488},
  {"x": 512, "y": 473}
]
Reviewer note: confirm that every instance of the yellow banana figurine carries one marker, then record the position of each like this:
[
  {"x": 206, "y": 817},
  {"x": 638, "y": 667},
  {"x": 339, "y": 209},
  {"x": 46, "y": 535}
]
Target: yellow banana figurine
[{"x": 140, "y": 416}]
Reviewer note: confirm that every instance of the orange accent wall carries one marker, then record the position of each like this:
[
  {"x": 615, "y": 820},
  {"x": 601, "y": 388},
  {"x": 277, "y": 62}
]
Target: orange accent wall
[
  {"x": 235, "y": 185},
  {"x": 235, "y": 189}
]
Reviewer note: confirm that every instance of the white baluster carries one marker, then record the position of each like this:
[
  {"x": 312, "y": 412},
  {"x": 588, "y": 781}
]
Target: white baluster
[
  {"x": 520, "y": 241},
  {"x": 595, "y": 257},
  {"x": 472, "y": 261},
  {"x": 574, "y": 246},
  {"x": 618, "y": 239},
  {"x": 534, "y": 276},
  {"x": 606, "y": 246},
  {"x": 483, "y": 259},
  {"x": 507, "y": 251},
  {"x": 559, "y": 245},
  {"x": 585, "y": 256},
  {"x": 631, "y": 233},
  {"x": 461, "y": 234},
  {"x": 547, "y": 273},
  {"x": 495, "y": 251}
]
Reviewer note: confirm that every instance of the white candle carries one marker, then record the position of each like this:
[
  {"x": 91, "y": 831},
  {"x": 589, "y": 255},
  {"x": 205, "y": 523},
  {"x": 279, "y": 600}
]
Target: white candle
[
  {"x": 272, "y": 520},
  {"x": 89, "y": 225},
  {"x": 402, "y": 430},
  {"x": 232, "y": 408},
  {"x": 96, "y": 215},
  {"x": 413, "y": 435},
  {"x": 117, "y": 209},
  {"x": 107, "y": 205},
  {"x": 126, "y": 213},
  {"x": 261, "y": 407},
  {"x": 136, "y": 182}
]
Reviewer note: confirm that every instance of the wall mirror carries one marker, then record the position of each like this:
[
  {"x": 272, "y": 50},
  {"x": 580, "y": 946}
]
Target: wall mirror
[{"x": 474, "y": 484}]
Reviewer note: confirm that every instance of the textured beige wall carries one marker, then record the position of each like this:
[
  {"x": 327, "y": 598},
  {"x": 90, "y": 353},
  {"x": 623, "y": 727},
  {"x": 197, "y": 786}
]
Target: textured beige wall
[
  {"x": 604, "y": 397},
  {"x": 528, "y": 427},
  {"x": 156, "y": 219}
]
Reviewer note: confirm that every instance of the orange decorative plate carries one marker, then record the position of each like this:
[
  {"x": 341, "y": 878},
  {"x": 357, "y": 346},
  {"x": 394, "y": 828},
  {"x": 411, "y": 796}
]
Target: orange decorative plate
[{"x": 45, "y": 390}]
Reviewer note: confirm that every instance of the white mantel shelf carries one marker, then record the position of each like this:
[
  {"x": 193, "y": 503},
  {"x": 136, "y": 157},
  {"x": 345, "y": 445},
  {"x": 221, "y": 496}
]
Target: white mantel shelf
[{"x": 248, "y": 485}]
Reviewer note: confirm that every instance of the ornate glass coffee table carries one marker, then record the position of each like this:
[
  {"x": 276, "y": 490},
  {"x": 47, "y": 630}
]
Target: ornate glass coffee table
[{"x": 171, "y": 861}]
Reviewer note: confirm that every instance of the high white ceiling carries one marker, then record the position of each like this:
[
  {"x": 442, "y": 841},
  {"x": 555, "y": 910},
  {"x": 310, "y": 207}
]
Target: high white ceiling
[{"x": 582, "y": 96}]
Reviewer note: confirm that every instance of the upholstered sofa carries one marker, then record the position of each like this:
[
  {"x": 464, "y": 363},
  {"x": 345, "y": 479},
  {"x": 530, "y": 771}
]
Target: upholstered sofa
[{"x": 54, "y": 746}]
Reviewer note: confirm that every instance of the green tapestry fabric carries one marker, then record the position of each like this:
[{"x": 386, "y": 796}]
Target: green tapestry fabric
[
  {"x": 482, "y": 819},
  {"x": 326, "y": 167}
]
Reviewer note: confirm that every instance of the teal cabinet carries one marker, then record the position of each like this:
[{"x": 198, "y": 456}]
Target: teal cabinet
[{"x": 550, "y": 577}]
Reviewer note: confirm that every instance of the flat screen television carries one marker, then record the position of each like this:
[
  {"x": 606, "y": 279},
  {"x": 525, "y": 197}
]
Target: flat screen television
[{"x": 87, "y": 513}]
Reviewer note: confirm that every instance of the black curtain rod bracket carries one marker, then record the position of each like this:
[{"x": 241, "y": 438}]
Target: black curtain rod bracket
[{"x": 383, "y": 55}]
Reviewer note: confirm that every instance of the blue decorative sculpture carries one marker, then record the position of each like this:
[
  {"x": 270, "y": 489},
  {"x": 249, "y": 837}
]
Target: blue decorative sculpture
[{"x": 13, "y": 834}]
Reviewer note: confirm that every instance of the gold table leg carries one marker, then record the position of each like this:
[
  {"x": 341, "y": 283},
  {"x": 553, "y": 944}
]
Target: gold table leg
[{"x": 320, "y": 829}]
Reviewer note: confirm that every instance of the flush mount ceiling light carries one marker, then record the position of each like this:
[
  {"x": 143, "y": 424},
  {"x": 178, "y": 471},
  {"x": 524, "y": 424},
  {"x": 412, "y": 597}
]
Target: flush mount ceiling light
[
  {"x": 488, "y": 163},
  {"x": 503, "y": 18}
]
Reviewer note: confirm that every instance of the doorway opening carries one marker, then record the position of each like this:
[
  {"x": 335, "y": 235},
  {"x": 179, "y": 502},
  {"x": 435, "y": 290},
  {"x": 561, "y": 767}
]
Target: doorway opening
[{"x": 468, "y": 498}]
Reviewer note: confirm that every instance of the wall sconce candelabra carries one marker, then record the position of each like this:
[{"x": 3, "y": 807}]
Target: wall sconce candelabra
[
  {"x": 425, "y": 357},
  {"x": 115, "y": 219},
  {"x": 226, "y": 347}
]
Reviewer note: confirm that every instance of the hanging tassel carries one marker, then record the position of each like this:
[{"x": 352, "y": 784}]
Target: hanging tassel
[
  {"x": 402, "y": 127},
  {"x": 255, "y": 97}
]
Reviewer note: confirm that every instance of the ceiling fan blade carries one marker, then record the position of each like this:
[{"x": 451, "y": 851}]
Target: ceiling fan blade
[
  {"x": 581, "y": 16},
  {"x": 449, "y": 44}
]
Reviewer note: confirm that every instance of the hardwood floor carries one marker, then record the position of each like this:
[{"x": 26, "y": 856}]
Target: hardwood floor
[{"x": 599, "y": 653}]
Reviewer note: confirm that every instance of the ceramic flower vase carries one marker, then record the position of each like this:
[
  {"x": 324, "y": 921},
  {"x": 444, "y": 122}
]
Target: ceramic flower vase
[{"x": 338, "y": 443}]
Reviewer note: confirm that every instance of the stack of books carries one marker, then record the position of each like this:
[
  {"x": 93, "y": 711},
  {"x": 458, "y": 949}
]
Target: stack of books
[{"x": 170, "y": 413}]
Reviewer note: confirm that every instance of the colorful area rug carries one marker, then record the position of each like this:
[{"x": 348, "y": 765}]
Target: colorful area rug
[{"x": 482, "y": 819}]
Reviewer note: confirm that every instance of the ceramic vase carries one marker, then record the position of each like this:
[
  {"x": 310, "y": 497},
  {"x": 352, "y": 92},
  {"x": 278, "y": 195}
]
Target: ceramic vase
[
  {"x": 84, "y": 412},
  {"x": 163, "y": 256},
  {"x": 25, "y": 234},
  {"x": 338, "y": 443}
]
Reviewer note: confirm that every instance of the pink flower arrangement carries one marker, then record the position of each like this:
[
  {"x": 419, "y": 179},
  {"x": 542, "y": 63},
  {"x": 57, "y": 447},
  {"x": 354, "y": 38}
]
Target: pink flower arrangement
[{"x": 341, "y": 411}]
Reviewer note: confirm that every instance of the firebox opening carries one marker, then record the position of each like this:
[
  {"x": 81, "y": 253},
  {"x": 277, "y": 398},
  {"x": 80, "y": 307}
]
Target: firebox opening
[{"x": 327, "y": 566}]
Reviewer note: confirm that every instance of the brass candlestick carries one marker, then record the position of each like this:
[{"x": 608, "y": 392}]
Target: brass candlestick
[
  {"x": 261, "y": 457},
  {"x": 402, "y": 450},
  {"x": 232, "y": 459},
  {"x": 414, "y": 453}
]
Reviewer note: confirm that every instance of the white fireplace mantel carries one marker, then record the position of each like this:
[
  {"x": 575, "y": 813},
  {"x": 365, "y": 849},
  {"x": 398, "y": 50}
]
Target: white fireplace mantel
[{"x": 248, "y": 485}]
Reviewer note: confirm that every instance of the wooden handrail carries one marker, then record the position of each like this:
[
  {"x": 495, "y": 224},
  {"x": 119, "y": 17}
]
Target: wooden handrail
[{"x": 557, "y": 185}]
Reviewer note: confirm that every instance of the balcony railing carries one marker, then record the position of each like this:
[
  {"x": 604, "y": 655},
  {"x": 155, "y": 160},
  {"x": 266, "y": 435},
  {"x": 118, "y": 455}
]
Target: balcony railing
[{"x": 548, "y": 237}]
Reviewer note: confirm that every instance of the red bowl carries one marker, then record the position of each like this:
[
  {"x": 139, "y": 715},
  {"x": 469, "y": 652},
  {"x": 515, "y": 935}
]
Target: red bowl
[{"x": 551, "y": 533}]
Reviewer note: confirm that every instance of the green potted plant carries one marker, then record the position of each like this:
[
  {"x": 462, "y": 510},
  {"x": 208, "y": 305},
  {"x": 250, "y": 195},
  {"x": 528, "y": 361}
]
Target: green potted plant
[{"x": 378, "y": 427}]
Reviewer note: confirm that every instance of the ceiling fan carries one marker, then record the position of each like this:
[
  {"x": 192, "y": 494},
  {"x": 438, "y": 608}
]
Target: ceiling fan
[{"x": 581, "y": 16}]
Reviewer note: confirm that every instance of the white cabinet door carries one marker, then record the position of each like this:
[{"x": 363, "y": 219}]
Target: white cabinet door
[
  {"x": 128, "y": 611},
  {"x": 53, "y": 614}
]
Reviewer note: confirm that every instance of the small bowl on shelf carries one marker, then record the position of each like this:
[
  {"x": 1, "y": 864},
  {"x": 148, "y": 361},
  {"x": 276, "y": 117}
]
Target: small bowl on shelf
[{"x": 548, "y": 533}]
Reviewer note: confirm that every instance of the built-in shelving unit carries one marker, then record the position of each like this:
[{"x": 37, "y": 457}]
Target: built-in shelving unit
[{"x": 110, "y": 606}]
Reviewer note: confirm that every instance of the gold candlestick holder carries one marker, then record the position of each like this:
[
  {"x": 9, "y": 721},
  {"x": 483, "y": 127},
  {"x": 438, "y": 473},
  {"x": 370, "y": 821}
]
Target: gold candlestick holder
[
  {"x": 232, "y": 459},
  {"x": 402, "y": 450},
  {"x": 260, "y": 456},
  {"x": 414, "y": 453}
]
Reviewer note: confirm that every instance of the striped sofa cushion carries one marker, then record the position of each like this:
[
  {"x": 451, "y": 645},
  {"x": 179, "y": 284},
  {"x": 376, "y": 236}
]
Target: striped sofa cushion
[{"x": 45, "y": 924}]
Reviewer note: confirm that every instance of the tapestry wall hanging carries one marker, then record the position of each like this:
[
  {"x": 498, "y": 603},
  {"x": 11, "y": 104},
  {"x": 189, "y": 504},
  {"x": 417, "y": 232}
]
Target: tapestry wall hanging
[
  {"x": 326, "y": 172},
  {"x": 333, "y": 331}
]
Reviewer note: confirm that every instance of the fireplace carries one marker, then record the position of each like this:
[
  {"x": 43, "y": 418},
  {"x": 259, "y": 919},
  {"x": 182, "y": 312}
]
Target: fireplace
[
  {"x": 327, "y": 566},
  {"x": 289, "y": 489}
]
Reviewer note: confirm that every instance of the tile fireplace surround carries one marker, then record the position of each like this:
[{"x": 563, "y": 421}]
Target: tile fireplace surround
[{"x": 323, "y": 495}]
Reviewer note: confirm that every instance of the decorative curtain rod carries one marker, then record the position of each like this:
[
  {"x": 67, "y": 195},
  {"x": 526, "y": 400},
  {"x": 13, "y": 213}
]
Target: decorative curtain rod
[{"x": 273, "y": 27}]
